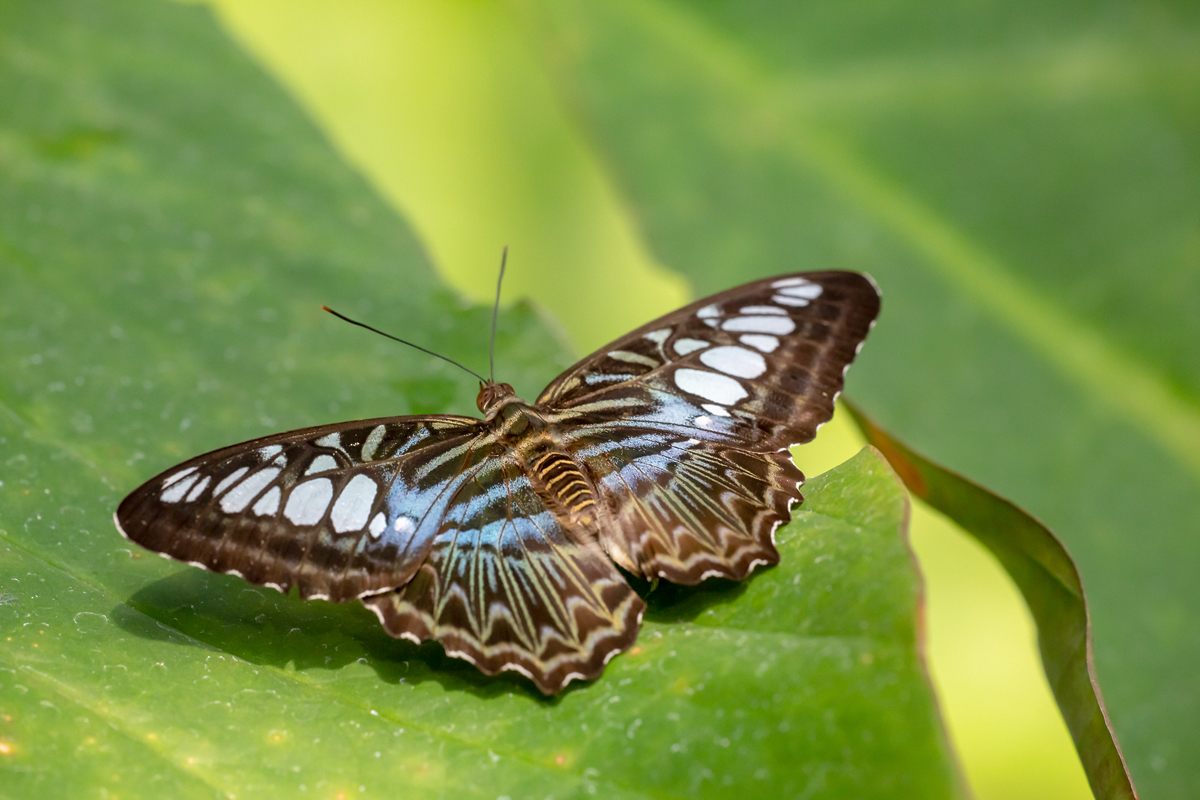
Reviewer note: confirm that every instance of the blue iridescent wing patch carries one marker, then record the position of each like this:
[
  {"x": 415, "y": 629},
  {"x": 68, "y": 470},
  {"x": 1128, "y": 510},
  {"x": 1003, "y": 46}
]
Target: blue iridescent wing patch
[
  {"x": 339, "y": 511},
  {"x": 663, "y": 453},
  {"x": 507, "y": 587}
]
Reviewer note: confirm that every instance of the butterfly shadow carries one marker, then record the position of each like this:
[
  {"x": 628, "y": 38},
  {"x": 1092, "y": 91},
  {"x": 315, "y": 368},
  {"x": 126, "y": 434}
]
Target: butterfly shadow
[
  {"x": 199, "y": 609},
  {"x": 192, "y": 608},
  {"x": 668, "y": 603}
]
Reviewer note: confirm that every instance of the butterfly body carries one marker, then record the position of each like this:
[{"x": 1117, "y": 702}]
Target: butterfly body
[{"x": 664, "y": 454}]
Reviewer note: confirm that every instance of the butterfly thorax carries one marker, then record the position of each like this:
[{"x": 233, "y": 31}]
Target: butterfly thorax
[{"x": 523, "y": 432}]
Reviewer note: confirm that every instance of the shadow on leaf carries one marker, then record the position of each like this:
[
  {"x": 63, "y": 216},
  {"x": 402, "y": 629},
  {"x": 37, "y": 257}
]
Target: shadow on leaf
[{"x": 263, "y": 627}]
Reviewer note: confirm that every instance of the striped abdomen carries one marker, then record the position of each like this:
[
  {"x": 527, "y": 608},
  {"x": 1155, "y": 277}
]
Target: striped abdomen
[{"x": 560, "y": 478}]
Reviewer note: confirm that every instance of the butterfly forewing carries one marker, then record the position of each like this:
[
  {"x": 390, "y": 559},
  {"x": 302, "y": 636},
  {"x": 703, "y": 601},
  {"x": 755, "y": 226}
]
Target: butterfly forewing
[
  {"x": 762, "y": 362},
  {"x": 664, "y": 452},
  {"x": 335, "y": 510}
]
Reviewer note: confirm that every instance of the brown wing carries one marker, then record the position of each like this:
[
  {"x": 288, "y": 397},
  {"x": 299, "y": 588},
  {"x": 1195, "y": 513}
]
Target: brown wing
[
  {"x": 683, "y": 422},
  {"x": 506, "y": 588},
  {"x": 341, "y": 511}
]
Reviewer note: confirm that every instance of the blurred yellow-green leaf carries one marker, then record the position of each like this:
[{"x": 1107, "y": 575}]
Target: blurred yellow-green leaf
[
  {"x": 1049, "y": 583},
  {"x": 1020, "y": 179}
]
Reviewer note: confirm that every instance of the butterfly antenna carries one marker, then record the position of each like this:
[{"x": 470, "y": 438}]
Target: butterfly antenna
[
  {"x": 401, "y": 341},
  {"x": 496, "y": 312}
]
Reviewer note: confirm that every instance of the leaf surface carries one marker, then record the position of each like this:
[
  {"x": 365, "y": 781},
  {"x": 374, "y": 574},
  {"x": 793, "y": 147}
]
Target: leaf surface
[
  {"x": 169, "y": 226},
  {"x": 1049, "y": 582}
]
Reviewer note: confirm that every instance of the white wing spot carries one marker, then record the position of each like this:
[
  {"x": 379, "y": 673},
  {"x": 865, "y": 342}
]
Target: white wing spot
[
  {"x": 808, "y": 291},
  {"x": 183, "y": 473},
  {"x": 268, "y": 504},
  {"x": 736, "y": 361},
  {"x": 762, "y": 310},
  {"x": 321, "y": 463},
  {"x": 330, "y": 440},
  {"x": 789, "y": 282},
  {"x": 633, "y": 358},
  {"x": 403, "y": 526},
  {"x": 240, "y": 496},
  {"x": 175, "y": 492},
  {"x": 353, "y": 505},
  {"x": 715, "y": 409},
  {"x": 709, "y": 385},
  {"x": 776, "y": 325},
  {"x": 685, "y": 346},
  {"x": 198, "y": 489},
  {"x": 709, "y": 312},
  {"x": 765, "y": 343},
  {"x": 308, "y": 501},
  {"x": 378, "y": 523},
  {"x": 659, "y": 336},
  {"x": 270, "y": 451},
  {"x": 372, "y": 443},
  {"x": 230, "y": 479},
  {"x": 790, "y": 301},
  {"x": 702, "y": 421}
]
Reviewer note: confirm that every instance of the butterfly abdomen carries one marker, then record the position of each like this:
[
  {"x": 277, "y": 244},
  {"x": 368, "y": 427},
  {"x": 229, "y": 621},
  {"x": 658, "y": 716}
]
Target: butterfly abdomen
[{"x": 563, "y": 481}]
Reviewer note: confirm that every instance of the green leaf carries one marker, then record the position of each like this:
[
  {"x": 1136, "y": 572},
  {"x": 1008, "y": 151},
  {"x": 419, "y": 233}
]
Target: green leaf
[
  {"x": 169, "y": 226},
  {"x": 1050, "y": 584},
  {"x": 1021, "y": 179}
]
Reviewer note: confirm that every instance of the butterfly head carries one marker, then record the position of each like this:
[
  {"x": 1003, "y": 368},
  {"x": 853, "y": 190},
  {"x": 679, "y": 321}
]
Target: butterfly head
[{"x": 491, "y": 393}]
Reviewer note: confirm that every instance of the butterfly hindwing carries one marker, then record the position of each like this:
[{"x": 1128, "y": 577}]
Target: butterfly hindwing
[
  {"x": 684, "y": 509},
  {"x": 507, "y": 587}
]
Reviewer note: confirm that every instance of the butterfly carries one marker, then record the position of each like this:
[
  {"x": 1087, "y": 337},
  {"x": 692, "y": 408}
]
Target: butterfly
[{"x": 663, "y": 454}]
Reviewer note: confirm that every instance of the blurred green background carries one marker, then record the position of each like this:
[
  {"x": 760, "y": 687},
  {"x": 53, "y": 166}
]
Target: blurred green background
[
  {"x": 1022, "y": 179},
  {"x": 450, "y": 111}
]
